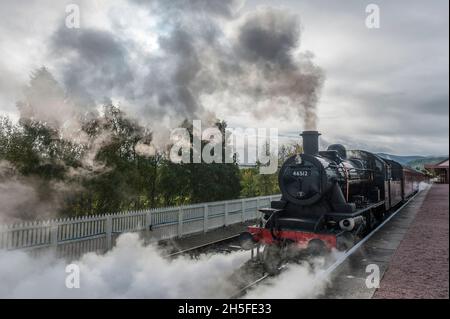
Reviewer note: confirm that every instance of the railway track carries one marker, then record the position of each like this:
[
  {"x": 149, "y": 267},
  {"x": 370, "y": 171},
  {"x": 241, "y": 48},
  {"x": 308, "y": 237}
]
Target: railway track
[
  {"x": 244, "y": 290},
  {"x": 333, "y": 266},
  {"x": 221, "y": 245}
]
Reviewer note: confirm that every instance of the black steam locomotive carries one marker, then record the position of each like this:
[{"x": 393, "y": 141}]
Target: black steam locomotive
[{"x": 329, "y": 199}]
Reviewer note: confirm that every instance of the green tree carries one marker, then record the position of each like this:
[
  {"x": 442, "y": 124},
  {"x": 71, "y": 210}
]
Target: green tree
[{"x": 106, "y": 170}]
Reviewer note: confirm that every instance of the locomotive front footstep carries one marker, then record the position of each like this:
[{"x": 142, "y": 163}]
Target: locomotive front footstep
[{"x": 330, "y": 199}]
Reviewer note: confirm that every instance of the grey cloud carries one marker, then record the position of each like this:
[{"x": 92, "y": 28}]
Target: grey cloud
[
  {"x": 223, "y": 8},
  {"x": 381, "y": 84},
  {"x": 98, "y": 61},
  {"x": 171, "y": 78},
  {"x": 269, "y": 36}
]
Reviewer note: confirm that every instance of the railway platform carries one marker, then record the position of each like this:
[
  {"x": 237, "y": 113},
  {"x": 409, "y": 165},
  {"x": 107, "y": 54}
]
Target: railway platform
[
  {"x": 419, "y": 267},
  {"x": 409, "y": 255}
]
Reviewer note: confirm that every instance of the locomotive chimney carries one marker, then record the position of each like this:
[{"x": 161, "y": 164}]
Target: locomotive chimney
[{"x": 310, "y": 142}]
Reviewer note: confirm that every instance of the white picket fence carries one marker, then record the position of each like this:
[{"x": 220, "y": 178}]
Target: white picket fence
[{"x": 72, "y": 237}]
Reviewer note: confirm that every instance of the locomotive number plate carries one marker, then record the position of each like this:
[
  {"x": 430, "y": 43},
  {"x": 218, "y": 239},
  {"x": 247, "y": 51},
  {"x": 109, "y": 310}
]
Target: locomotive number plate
[{"x": 302, "y": 173}]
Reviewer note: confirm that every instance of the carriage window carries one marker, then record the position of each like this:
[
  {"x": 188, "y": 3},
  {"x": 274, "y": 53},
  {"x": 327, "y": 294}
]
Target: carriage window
[{"x": 396, "y": 174}]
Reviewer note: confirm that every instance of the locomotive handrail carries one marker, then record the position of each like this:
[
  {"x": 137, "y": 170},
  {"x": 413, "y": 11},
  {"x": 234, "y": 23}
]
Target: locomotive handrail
[{"x": 356, "y": 169}]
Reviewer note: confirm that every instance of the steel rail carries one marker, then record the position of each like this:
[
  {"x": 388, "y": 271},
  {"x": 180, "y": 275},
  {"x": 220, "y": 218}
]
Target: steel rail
[{"x": 202, "y": 246}]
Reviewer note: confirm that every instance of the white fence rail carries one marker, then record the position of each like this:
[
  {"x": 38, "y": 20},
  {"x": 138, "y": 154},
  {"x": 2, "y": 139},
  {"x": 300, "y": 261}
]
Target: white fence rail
[{"x": 71, "y": 237}]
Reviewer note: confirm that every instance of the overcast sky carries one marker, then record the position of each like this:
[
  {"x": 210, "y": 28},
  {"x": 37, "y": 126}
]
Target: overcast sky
[{"x": 380, "y": 89}]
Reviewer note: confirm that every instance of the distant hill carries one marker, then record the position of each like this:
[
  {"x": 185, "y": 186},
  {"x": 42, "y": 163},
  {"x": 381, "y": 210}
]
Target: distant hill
[
  {"x": 414, "y": 161},
  {"x": 402, "y": 159}
]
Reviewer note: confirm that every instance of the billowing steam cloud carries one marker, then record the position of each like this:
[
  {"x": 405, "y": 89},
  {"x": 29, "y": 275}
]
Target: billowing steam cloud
[
  {"x": 25, "y": 198},
  {"x": 299, "y": 281},
  {"x": 130, "y": 270},
  {"x": 190, "y": 59}
]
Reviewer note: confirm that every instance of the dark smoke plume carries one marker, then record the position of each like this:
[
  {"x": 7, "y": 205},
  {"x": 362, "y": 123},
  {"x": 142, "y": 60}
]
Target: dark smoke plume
[
  {"x": 268, "y": 41},
  {"x": 207, "y": 56}
]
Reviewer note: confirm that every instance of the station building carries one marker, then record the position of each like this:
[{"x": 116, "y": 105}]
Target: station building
[{"x": 440, "y": 170}]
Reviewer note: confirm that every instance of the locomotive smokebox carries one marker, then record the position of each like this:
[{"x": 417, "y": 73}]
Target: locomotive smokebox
[{"x": 310, "y": 142}]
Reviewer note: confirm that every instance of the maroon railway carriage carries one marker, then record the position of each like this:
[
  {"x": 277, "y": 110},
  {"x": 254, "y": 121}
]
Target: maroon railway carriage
[{"x": 329, "y": 200}]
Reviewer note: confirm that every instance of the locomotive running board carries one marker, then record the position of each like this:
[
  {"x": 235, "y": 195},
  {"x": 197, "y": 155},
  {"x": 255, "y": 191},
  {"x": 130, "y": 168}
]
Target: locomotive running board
[
  {"x": 356, "y": 213},
  {"x": 270, "y": 210}
]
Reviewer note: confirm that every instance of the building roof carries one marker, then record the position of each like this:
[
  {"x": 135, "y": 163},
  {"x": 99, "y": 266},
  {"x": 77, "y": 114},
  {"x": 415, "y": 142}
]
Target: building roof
[{"x": 443, "y": 164}]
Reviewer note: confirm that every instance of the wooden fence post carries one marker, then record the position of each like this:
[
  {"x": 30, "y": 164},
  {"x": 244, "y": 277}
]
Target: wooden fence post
[
  {"x": 257, "y": 208},
  {"x": 54, "y": 235},
  {"x": 148, "y": 226},
  {"x": 148, "y": 220},
  {"x": 226, "y": 213},
  {"x": 205, "y": 218},
  {"x": 108, "y": 231},
  {"x": 180, "y": 223}
]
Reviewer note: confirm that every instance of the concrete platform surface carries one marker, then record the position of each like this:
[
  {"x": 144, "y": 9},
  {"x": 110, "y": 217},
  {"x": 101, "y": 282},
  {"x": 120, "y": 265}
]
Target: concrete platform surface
[{"x": 419, "y": 267}]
